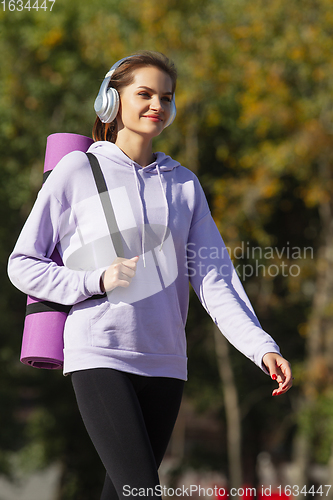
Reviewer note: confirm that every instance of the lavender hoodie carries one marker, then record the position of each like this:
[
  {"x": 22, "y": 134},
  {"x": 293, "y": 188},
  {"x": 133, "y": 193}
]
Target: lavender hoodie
[{"x": 163, "y": 217}]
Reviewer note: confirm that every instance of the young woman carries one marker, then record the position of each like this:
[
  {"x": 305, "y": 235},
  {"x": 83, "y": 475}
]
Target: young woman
[{"x": 125, "y": 342}]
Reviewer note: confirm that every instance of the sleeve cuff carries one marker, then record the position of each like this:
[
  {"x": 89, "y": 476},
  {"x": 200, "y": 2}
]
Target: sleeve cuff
[{"x": 93, "y": 282}]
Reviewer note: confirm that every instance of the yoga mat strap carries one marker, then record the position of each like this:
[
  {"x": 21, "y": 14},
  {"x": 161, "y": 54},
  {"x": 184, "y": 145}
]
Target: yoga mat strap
[
  {"x": 106, "y": 204},
  {"x": 46, "y": 306}
]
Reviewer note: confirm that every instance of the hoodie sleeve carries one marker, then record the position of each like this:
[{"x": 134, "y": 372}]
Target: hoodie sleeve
[
  {"x": 219, "y": 289},
  {"x": 30, "y": 267}
]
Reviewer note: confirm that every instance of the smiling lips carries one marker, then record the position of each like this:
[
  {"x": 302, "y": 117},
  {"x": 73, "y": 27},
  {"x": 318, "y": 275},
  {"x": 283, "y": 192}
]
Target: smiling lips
[{"x": 154, "y": 118}]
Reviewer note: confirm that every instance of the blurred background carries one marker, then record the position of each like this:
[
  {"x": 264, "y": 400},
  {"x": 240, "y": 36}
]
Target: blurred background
[{"x": 255, "y": 123}]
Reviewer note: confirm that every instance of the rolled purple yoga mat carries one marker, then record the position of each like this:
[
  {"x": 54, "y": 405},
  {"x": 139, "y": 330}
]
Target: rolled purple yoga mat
[{"x": 42, "y": 343}]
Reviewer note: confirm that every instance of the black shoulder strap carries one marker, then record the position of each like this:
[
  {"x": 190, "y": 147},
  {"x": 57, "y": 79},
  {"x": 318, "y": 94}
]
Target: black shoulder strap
[{"x": 107, "y": 205}]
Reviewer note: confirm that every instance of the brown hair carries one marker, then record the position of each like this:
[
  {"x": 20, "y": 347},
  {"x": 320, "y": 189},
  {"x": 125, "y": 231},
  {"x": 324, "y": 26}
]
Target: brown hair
[{"x": 123, "y": 76}]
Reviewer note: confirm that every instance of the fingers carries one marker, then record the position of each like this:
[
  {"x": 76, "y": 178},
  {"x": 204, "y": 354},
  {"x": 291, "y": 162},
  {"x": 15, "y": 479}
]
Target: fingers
[
  {"x": 125, "y": 271},
  {"x": 120, "y": 273},
  {"x": 279, "y": 370},
  {"x": 283, "y": 377},
  {"x": 130, "y": 263}
]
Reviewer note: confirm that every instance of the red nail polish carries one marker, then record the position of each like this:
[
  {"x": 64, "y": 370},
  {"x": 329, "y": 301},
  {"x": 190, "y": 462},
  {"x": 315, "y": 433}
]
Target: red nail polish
[{"x": 274, "y": 377}]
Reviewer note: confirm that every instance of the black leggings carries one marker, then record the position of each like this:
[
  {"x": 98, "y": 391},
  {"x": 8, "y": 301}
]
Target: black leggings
[{"x": 129, "y": 419}]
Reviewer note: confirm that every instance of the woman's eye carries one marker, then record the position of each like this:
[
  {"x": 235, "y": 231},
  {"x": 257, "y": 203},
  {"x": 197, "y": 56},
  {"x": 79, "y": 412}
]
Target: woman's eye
[{"x": 147, "y": 96}]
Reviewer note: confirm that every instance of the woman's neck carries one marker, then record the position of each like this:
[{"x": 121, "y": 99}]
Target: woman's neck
[{"x": 136, "y": 148}]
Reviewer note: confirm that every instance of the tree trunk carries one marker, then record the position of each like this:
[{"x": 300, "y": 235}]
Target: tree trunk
[
  {"x": 319, "y": 348},
  {"x": 231, "y": 409}
]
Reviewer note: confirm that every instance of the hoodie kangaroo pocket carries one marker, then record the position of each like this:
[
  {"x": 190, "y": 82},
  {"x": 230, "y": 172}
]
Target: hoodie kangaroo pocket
[
  {"x": 153, "y": 325},
  {"x": 112, "y": 328}
]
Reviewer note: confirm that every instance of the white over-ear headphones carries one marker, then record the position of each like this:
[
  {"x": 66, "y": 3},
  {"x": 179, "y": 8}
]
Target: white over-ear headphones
[{"x": 107, "y": 102}]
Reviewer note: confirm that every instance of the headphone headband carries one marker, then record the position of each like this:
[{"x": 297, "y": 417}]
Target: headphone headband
[
  {"x": 116, "y": 65},
  {"x": 107, "y": 102}
]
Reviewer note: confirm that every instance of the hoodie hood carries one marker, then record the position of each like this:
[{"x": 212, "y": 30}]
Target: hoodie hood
[{"x": 109, "y": 150}]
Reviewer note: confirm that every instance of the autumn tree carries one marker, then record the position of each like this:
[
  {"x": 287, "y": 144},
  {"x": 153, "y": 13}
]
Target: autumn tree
[{"x": 285, "y": 112}]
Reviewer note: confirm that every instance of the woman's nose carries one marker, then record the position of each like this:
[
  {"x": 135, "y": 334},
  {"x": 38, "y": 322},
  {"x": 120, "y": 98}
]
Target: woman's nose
[{"x": 156, "y": 103}]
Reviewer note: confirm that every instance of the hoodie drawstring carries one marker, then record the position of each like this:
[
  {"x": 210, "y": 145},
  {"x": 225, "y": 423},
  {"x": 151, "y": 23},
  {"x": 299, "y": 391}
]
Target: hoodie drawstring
[
  {"x": 137, "y": 183},
  {"x": 166, "y": 206}
]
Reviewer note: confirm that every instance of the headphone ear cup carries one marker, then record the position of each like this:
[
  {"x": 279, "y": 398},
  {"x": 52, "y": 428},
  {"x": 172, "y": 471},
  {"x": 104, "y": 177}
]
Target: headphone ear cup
[
  {"x": 110, "y": 110},
  {"x": 113, "y": 105},
  {"x": 173, "y": 113}
]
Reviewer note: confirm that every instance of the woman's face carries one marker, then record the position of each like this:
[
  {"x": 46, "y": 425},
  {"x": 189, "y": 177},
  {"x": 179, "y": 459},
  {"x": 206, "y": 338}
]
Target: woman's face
[{"x": 145, "y": 104}]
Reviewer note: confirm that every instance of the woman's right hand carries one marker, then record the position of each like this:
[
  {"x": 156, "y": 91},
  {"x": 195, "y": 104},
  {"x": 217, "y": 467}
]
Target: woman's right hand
[{"x": 120, "y": 273}]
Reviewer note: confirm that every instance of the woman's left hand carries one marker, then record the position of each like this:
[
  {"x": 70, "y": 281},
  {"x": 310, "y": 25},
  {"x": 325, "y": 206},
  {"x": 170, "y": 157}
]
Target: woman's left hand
[{"x": 279, "y": 370}]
